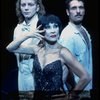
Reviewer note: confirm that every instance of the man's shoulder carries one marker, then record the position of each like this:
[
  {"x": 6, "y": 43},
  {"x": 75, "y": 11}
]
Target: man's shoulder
[
  {"x": 18, "y": 26},
  {"x": 67, "y": 32},
  {"x": 17, "y": 29},
  {"x": 68, "y": 29}
]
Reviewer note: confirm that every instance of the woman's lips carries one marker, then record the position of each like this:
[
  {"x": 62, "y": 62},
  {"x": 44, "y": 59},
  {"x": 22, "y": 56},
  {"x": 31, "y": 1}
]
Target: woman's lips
[{"x": 53, "y": 36}]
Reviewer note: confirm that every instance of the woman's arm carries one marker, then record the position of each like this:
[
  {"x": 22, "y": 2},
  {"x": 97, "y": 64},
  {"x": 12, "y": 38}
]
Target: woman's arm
[
  {"x": 15, "y": 45},
  {"x": 77, "y": 68}
]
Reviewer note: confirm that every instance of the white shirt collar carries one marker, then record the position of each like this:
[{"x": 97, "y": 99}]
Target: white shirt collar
[{"x": 74, "y": 27}]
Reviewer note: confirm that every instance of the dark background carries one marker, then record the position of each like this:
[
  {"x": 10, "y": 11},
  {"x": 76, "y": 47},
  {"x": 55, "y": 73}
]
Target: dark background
[{"x": 9, "y": 20}]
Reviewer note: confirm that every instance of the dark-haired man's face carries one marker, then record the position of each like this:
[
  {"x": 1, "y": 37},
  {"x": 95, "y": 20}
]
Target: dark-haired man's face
[{"x": 76, "y": 11}]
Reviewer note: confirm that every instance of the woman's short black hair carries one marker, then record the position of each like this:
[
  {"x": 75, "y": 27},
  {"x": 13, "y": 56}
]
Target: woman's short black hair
[{"x": 49, "y": 18}]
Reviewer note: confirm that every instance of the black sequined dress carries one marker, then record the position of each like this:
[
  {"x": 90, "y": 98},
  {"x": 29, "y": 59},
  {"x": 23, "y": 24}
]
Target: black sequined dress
[{"x": 48, "y": 79}]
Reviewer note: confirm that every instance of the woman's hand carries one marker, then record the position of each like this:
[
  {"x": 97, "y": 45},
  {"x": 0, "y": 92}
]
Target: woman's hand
[
  {"x": 15, "y": 46},
  {"x": 36, "y": 34},
  {"x": 74, "y": 95}
]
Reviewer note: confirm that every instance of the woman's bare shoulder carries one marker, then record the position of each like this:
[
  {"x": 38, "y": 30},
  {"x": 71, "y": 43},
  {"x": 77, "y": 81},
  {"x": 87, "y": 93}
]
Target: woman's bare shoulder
[
  {"x": 63, "y": 49},
  {"x": 65, "y": 53}
]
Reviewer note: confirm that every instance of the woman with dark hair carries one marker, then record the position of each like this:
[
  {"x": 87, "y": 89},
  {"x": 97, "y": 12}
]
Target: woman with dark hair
[{"x": 49, "y": 60}]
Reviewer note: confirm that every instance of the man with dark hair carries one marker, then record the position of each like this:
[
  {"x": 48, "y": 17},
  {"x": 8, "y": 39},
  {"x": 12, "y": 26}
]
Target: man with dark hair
[{"x": 76, "y": 38}]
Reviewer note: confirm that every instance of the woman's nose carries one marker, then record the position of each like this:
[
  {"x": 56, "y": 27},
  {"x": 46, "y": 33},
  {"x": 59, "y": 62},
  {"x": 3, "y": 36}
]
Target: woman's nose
[{"x": 52, "y": 30}]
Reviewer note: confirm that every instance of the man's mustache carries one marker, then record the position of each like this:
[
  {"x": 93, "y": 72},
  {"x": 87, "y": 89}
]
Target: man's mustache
[{"x": 78, "y": 15}]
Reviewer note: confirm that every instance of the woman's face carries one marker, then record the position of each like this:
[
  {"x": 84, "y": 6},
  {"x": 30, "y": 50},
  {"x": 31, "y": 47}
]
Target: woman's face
[
  {"x": 52, "y": 32},
  {"x": 29, "y": 8}
]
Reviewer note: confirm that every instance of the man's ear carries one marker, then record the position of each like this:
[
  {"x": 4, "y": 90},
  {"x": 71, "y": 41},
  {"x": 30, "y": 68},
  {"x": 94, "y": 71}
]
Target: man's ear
[
  {"x": 38, "y": 8},
  {"x": 67, "y": 12}
]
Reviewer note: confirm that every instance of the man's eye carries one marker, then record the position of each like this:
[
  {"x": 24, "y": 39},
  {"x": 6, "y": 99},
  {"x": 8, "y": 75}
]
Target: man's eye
[
  {"x": 81, "y": 7},
  {"x": 23, "y": 5},
  {"x": 31, "y": 4},
  {"x": 73, "y": 8}
]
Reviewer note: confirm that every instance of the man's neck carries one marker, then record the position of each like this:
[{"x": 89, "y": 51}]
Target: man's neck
[
  {"x": 78, "y": 26},
  {"x": 28, "y": 20}
]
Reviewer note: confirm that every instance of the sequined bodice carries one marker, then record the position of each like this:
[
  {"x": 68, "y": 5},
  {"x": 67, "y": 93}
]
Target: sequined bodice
[{"x": 50, "y": 77}]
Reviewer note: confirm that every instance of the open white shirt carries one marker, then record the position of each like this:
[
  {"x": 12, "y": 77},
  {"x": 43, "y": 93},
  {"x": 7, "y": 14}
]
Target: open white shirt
[
  {"x": 25, "y": 76},
  {"x": 72, "y": 39}
]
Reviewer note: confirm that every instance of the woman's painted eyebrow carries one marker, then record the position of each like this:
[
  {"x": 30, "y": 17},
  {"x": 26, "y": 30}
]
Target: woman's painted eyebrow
[{"x": 51, "y": 23}]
